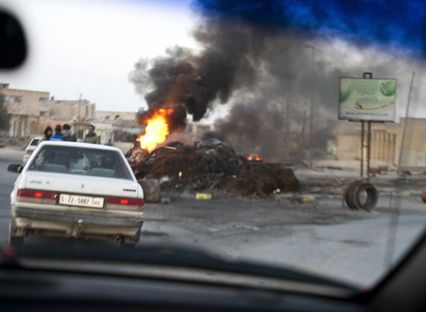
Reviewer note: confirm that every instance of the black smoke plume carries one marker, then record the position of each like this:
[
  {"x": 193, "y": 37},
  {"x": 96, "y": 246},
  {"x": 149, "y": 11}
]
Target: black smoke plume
[{"x": 262, "y": 58}]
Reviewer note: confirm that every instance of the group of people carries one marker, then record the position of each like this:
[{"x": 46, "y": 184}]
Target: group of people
[{"x": 64, "y": 133}]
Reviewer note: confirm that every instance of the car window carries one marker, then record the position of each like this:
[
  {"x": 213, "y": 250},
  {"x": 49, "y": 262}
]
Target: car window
[
  {"x": 284, "y": 132},
  {"x": 34, "y": 142},
  {"x": 80, "y": 161}
]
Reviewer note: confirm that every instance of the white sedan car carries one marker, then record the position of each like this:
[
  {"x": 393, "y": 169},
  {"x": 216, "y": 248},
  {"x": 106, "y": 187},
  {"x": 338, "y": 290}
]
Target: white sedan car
[{"x": 76, "y": 190}]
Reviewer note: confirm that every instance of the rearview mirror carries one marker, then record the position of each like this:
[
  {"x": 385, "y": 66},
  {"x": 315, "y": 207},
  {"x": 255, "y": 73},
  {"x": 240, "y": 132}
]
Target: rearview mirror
[
  {"x": 13, "y": 43},
  {"x": 14, "y": 168}
]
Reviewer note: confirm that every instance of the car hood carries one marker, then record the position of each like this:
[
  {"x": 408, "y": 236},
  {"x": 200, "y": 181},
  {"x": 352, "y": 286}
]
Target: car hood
[{"x": 79, "y": 184}]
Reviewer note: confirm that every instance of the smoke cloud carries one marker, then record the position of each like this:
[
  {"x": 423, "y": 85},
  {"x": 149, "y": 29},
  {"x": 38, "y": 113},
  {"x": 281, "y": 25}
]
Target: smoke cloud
[{"x": 276, "y": 62}]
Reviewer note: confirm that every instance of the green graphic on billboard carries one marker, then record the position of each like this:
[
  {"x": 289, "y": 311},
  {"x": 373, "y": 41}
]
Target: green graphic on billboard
[{"x": 367, "y": 99}]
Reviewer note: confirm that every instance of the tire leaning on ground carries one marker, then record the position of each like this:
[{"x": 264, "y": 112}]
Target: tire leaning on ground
[{"x": 355, "y": 193}]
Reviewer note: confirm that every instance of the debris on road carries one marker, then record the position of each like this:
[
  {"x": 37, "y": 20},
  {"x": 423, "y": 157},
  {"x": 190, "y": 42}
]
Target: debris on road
[
  {"x": 203, "y": 196},
  {"x": 210, "y": 165},
  {"x": 304, "y": 199},
  {"x": 165, "y": 200},
  {"x": 151, "y": 190}
]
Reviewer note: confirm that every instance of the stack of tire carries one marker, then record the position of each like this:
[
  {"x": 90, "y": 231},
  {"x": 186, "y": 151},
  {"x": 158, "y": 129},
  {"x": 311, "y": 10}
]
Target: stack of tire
[{"x": 355, "y": 192}]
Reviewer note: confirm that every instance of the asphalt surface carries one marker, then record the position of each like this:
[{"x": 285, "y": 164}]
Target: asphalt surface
[{"x": 322, "y": 236}]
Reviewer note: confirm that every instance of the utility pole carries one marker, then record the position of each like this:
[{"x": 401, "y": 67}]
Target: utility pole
[
  {"x": 79, "y": 107},
  {"x": 311, "y": 124},
  {"x": 78, "y": 117},
  {"x": 404, "y": 129}
]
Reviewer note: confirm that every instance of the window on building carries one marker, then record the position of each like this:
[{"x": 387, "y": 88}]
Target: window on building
[{"x": 17, "y": 99}]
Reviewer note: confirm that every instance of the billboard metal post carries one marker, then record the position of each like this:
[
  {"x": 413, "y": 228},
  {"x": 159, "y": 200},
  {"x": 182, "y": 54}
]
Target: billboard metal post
[
  {"x": 362, "y": 148},
  {"x": 368, "y": 145},
  {"x": 367, "y": 76},
  {"x": 368, "y": 148}
]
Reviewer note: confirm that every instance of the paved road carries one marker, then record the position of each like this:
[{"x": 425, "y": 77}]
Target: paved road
[
  {"x": 323, "y": 237},
  {"x": 7, "y": 156}
]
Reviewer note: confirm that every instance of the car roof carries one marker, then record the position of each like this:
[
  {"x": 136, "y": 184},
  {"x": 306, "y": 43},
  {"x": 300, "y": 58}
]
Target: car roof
[{"x": 80, "y": 145}]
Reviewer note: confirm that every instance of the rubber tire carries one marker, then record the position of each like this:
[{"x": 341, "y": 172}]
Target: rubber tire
[
  {"x": 131, "y": 241},
  {"x": 14, "y": 240},
  {"x": 353, "y": 195},
  {"x": 350, "y": 195}
]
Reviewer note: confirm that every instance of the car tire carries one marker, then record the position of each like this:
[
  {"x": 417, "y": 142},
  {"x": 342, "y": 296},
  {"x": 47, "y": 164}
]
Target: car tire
[
  {"x": 131, "y": 241},
  {"x": 14, "y": 240},
  {"x": 356, "y": 190},
  {"x": 128, "y": 242}
]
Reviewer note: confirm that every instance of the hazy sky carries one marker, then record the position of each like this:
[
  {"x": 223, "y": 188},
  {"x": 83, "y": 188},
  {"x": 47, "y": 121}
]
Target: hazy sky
[{"x": 90, "y": 46}]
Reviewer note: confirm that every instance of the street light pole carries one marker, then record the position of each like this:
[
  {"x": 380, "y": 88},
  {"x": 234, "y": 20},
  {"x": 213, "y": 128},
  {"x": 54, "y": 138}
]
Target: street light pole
[{"x": 311, "y": 126}]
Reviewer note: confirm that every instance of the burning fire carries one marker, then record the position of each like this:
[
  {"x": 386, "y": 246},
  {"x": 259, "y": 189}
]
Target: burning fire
[
  {"x": 156, "y": 130},
  {"x": 254, "y": 157}
]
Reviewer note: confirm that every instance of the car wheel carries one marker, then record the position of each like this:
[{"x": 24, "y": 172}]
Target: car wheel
[
  {"x": 128, "y": 242},
  {"x": 131, "y": 241},
  {"x": 14, "y": 240}
]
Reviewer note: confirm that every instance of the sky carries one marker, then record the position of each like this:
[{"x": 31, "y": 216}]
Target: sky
[{"x": 90, "y": 47}]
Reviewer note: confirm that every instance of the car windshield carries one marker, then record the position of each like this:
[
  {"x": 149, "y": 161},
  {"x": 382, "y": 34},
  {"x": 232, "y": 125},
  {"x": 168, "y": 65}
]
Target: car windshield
[
  {"x": 281, "y": 132},
  {"x": 80, "y": 161}
]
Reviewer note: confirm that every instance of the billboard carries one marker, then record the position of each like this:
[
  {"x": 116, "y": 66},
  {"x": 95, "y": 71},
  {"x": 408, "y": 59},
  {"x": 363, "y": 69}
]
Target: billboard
[{"x": 367, "y": 99}]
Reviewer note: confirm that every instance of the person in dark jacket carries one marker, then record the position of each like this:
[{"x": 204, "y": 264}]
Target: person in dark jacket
[
  {"x": 47, "y": 133},
  {"x": 58, "y": 134}
]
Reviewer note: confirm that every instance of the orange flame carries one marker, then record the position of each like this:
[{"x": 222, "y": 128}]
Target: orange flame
[
  {"x": 156, "y": 130},
  {"x": 254, "y": 157}
]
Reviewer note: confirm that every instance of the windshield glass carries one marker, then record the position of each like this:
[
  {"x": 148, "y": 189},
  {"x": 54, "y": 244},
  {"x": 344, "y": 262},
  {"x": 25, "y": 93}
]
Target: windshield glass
[
  {"x": 80, "y": 161},
  {"x": 283, "y": 132}
]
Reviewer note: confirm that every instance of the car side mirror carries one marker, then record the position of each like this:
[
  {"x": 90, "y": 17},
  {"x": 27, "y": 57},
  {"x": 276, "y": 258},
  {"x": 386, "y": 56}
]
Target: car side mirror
[
  {"x": 17, "y": 168},
  {"x": 13, "y": 43}
]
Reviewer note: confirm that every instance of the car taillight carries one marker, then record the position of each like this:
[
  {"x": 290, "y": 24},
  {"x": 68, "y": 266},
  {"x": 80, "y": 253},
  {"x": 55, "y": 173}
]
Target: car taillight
[
  {"x": 37, "y": 196},
  {"x": 124, "y": 203}
]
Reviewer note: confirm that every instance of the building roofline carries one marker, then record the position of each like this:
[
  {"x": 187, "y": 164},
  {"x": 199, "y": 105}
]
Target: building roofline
[{"x": 23, "y": 90}]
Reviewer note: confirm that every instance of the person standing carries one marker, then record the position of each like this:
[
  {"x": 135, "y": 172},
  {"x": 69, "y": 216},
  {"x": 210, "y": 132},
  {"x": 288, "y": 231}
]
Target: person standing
[
  {"x": 58, "y": 134},
  {"x": 67, "y": 133},
  {"x": 47, "y": 133},
  {"x": 91, "y": 136}
]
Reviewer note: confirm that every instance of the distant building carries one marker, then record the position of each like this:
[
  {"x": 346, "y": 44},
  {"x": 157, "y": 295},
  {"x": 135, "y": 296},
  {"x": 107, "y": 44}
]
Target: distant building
[
  {"x": 388, "y": 142},
  {"x": 30, "y": 112},
  {"x": 119, "y": 129},
  {"x": 23, "y": 110},
  {"x": 110, "y": 116},
  {"x": 76, "y": 110},
  {"x": 198, "y": 129}
]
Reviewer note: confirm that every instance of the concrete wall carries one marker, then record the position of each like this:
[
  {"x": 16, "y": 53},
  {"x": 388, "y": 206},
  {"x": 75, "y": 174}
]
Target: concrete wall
[
  {"x": 22, "y": 102},
  {"x": 414, "y": 143},
  {"x": 23, "y": 110},
  {"x": 387, "y": 141},
  {"x": 348, "y": 147},
  {"x": 68, "y": 110}
]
